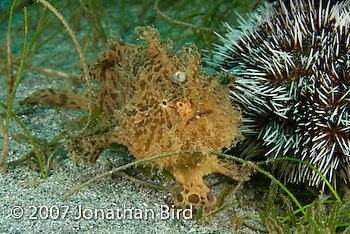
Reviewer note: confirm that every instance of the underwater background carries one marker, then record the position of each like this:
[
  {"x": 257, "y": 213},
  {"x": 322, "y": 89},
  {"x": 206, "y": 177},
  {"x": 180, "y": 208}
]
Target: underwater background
[{"x": 32, "y": 204}]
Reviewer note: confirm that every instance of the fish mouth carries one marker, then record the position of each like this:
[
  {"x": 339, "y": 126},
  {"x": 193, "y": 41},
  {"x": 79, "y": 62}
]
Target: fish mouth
[{"x": 199, "y": 115}]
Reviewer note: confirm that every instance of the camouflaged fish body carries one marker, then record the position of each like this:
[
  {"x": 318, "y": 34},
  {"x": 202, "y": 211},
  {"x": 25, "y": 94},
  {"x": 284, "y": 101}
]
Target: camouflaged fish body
[{"x": 155, "y": 101}]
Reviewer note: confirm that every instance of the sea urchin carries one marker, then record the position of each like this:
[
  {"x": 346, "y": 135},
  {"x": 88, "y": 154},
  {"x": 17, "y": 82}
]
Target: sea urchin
[{"x": 292, "y": 66}]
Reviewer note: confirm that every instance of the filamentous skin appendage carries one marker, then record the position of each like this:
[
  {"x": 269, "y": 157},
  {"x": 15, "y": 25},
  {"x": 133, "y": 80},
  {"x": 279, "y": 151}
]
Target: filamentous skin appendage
[{"x": 156, "y": 101}]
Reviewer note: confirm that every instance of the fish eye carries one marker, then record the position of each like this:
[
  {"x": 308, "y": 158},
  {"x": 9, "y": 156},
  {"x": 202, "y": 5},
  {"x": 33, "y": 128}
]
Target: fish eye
[{"x": 164, "y": 102}]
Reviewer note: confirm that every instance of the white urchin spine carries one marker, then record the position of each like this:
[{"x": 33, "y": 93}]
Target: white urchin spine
[{"x": 293, "y": 69}]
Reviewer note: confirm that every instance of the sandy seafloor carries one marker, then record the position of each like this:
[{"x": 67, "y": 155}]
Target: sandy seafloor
[{"x": 22, "y": 189}]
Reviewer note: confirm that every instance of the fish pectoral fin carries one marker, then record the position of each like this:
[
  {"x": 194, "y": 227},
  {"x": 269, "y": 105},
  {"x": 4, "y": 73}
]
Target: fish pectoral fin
[{"x": 230, "y": 169}]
